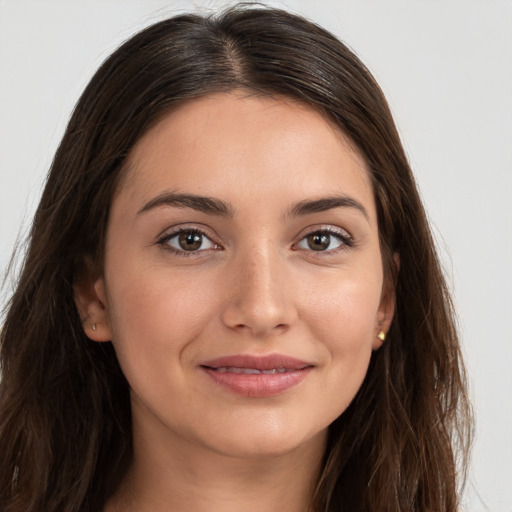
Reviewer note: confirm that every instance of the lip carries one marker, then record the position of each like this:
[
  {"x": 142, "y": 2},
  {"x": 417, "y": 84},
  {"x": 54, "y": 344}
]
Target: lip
[{"x": 257, "y": 376}]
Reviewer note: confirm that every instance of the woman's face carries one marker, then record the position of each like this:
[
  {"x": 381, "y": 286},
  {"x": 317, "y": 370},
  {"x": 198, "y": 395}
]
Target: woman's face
[{"x": 243, "y": 280}]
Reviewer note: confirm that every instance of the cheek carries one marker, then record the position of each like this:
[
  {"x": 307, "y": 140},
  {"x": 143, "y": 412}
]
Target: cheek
[
  {"x": 342, "y": 318},
  {"x": 344, "y": 308},
  {"x": 154, "y": 302},
  {"x": 155, "y": 314}
]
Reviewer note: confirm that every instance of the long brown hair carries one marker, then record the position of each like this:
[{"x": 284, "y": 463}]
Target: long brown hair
[{"x": 65, "y": 425}]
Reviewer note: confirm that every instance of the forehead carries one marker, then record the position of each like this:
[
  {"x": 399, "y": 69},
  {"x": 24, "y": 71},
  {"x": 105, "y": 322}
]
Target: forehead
[{"x": 267, "y": 145}]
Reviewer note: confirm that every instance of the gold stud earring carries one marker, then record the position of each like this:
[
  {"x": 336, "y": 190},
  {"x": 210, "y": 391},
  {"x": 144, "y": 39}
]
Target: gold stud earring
[
  {"x": 93, "y": 327},
  {"x": 381, "y": 335}
]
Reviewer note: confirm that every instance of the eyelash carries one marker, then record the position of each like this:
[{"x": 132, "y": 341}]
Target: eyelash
[
  {"x": 346, "y": 240},
  {"x": 164, "y": 242}
]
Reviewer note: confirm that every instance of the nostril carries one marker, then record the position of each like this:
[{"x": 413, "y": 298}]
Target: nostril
[{"x": 243, "y": 313}]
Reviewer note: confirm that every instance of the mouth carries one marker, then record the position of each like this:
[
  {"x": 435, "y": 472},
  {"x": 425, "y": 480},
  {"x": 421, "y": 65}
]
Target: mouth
[
  {"x": 255, "y": 376},
  {"x": 249, "y": 371}
]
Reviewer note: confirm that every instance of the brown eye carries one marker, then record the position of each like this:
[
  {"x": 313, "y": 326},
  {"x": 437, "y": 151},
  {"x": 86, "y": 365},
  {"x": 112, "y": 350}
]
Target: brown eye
[
  {"x": 319, "y": 241},
  {"x": 325, "y": 241},
  {"x": 190, "y": 240}
]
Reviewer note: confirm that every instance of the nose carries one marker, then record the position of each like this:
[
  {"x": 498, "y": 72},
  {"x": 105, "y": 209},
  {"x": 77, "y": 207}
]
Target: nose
[{"x": 260, "y": 302}]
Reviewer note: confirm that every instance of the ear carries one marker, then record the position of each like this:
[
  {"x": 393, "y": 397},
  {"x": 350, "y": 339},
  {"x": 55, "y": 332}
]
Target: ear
[
  {"x": 387, "y": 304},
  {"x": 91, "y": 302}
]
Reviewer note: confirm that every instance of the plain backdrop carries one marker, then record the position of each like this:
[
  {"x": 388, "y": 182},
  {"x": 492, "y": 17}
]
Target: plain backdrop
[{"x": 446, "y": 68}]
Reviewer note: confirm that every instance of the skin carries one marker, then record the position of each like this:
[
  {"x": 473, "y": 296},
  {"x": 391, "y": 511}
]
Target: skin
[{"x": 254, "y": 286}]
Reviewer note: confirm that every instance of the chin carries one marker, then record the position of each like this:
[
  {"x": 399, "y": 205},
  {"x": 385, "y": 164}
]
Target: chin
[{"x": 267, "y": 444}]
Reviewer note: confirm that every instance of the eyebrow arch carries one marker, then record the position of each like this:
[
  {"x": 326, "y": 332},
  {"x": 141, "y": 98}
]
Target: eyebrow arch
[
  {"x": 214, "y": 206},
  {"x": 209, "y": 205},
  {"x": 327, "y": 203}
]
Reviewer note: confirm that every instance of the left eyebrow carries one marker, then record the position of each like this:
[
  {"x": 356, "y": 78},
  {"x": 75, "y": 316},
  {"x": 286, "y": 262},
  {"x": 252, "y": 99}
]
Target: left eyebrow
[
  {"x": 209, "y": 205},
  {"x": 327, "y": 203}
]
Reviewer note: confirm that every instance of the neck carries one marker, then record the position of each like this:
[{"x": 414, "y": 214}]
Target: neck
[{"x": 170, "y": 473}]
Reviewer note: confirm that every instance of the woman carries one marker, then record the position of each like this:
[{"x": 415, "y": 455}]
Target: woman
[{"x": 231, "y": 295}]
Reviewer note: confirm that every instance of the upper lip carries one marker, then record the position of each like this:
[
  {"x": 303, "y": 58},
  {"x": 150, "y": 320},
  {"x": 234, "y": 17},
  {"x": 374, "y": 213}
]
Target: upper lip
[{"x": 268, "y": 362}]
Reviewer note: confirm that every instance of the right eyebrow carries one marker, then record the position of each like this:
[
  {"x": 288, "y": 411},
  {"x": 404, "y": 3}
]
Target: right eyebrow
[
  {"x": 209, "y": 205},
  {"x": 328, "y": 203}
]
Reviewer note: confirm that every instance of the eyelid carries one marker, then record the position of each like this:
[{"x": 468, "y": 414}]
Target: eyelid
[
  {"x": 169, "y": 233},
  {"x": 347, "y": 240},
  {"x": 342, "y": 234},
  {"x": 187, "y": 226}
]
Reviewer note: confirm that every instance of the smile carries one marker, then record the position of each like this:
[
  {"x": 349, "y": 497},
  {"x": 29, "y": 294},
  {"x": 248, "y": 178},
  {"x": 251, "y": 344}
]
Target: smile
[
  {"x": 257, "y": 377},
  {"x": 249, "y": 371}
]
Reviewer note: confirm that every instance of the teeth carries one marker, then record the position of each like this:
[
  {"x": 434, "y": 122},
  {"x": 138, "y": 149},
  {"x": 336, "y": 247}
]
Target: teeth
[{"x": 249, "y": 371}]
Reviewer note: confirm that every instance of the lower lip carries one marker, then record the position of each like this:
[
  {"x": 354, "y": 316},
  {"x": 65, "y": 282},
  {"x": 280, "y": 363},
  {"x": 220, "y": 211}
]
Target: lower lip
[{"x": 258, "y": 385}]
